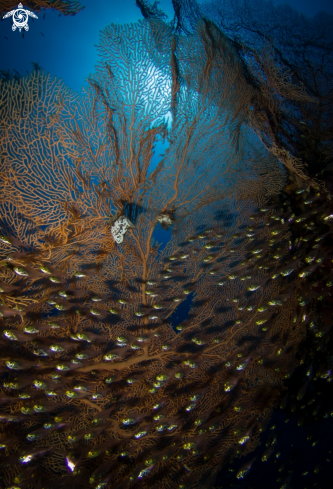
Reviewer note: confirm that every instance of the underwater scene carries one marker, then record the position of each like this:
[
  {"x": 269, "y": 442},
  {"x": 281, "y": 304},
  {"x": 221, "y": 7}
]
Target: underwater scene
[{"x": 166, "y": 244}]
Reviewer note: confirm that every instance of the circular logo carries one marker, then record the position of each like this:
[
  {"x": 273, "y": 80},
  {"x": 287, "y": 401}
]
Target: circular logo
[{"x": 20, "y": 18}]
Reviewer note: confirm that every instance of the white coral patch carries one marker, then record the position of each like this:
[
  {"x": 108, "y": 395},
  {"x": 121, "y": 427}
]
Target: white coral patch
[
  {"x": 165, "y": 218},
  {"x": 119, "y": 228}
]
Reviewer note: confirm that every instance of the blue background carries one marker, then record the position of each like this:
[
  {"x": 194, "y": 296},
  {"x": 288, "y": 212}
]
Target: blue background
[{"x": 68, "y": 48}]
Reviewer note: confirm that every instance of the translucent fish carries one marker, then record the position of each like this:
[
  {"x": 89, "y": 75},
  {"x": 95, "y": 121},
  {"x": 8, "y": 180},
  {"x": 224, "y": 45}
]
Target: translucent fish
[
  {"x": 55, "y": 280},
  {"x": 14, "y": 335},
  {"x": 21, "y": 271},
  {"x": 5, "y": 239},
  {"x": 231, "y": 383},
  {"x": 110, "y": 356},
  {"x": 114, "y": 310},
  {"x": 253, "y": 287},
  {"x": 32, "y": 454},
  {"x": 245, "y": 469},
  {"x": 267, "y": 454},
  {"x": 142, "y": 312},
  {"x": 307, "y": 271},
  {"x": 45, "y": 270}
]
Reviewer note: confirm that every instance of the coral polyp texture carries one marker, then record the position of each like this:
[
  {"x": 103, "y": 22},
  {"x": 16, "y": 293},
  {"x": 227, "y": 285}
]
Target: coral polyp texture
[{"x": 100, "y": 385}]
